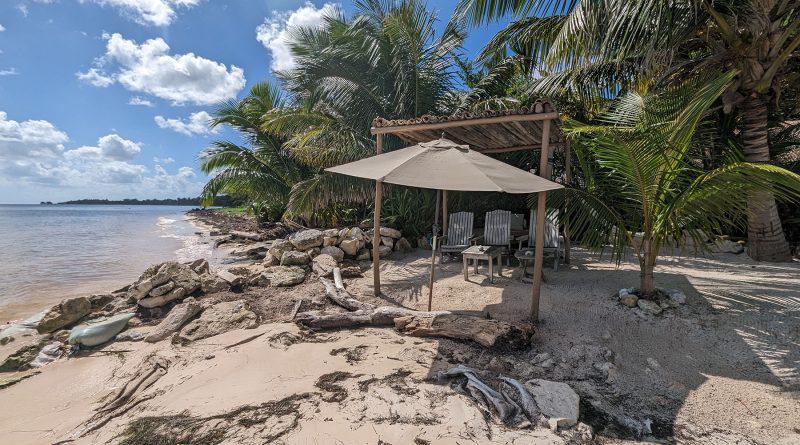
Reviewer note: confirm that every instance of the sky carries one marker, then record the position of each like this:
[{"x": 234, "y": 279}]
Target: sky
[{"x": 110, "y": 98}]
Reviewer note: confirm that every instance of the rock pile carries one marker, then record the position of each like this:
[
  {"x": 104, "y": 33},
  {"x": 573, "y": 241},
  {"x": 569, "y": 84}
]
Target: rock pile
[{"x": 662, "y": 300}]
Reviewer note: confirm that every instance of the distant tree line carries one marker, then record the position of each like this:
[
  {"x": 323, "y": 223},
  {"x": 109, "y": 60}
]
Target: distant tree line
[{"x": 221, "y": 201}]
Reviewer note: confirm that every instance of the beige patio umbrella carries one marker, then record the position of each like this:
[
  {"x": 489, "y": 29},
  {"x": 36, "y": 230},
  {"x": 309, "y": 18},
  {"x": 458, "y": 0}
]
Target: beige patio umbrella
[{"x": 443, "y": 165}]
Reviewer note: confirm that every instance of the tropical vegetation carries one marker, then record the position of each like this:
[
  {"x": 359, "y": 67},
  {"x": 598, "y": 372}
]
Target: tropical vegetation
[{"x": 675, "y": 112}]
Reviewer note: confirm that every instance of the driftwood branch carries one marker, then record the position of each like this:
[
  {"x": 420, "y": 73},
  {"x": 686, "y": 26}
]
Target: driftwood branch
[{"x": 488, "y": 333}]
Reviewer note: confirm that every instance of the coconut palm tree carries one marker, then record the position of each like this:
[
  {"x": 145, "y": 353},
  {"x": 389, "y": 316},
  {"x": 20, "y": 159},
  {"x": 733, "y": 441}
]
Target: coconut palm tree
[
  {"x": 387, "y": 60},
  {"x": 641, "y": 188},
  {"x": 603, "y": 48},
  {"x": 261, "y": 169}
]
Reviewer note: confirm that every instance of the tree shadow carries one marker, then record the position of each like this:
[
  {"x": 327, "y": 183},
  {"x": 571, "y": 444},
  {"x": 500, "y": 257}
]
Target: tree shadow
[{"x": 743, "y": 330}]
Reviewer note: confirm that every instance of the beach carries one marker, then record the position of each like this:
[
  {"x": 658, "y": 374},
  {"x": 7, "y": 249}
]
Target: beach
[{"x": 256, "y": 376}]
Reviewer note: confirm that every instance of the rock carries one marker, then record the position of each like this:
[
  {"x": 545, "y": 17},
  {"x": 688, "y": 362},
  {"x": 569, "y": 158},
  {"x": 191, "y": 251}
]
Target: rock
[
  {"x": 623, "y": 292},
  {"x": 351, "y": 272},
  {"x": 231, "y": 279},
  {"x": 64, "y": 314},
  {"x": 629, "y": 300},
  {"x": 330, "y": 233},
  {"x": 330, "y": 241},
  {"x": 727, "y": 246},
  {"x": 391, "y": 233},
  {"x": 220, "y": 318},
  {"x": 270, "y": 260},
  {"x": 132, "y": 335},
  {"x": 387, "y": 241},
  {"x": 184, "y": 278},
  {"x": 677, "y": 296},
  {"x": 423, "y": 243},
  {"x": 323, "y": 265},
  {"x": 48, "y": 354},
  {"x": 200, "y": 266},
  {"x": 163, "y": 289},
  {"x": 8, "y": 380},
  {"x": 19, "y": 358},
  {"x": 212, "y": 283},
  {"x": 250, "y": 236},
  {"x": 384, "y": 251},
  {"x": 306, "y": 239},
  {"x": 312, "y": 252},
  {"x": 555, "y": 400},
  {"x": 294, "y": 258},
  {"x": 402, "y": 245},
  {"x": 257, "y": 250},
  {"x": 284, "y": 275},
  {"x": 279, "y": 246},
  {"x": 649, "y": 307},
  {"x": 176, "y": 318},
  {"x": 335, "y": 252},
  {"x": 160, "y": 300},
  {"x": 351, "y": 246},
  {"x": 97, "y": 301},
  {"x": 364, "y": 255},
  {"x": 99, "y": 331}
]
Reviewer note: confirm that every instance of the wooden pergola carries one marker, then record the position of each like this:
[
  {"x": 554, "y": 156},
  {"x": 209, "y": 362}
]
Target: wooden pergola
[{"x": 528, "y": 128}]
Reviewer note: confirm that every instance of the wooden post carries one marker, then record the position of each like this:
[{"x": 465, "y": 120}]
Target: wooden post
[
  {"x": 540, "y": 220},
  {"x": 434, "y": 241},
  {"x": 376, "y": 237},
  {"x": 445, "y": 221},
  {"x": 568, "y": 178}
]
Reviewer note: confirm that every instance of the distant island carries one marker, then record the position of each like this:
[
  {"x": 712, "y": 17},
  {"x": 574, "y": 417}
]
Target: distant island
[{"x": 223, "y": 201}]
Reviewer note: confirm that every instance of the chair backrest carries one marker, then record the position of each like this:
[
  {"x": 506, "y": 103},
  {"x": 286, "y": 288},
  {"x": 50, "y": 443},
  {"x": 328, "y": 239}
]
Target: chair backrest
[
  {"x": 497, "y": 228},
  {"x": 459, "y": 230},
  {"x": 550, "y": 229}
]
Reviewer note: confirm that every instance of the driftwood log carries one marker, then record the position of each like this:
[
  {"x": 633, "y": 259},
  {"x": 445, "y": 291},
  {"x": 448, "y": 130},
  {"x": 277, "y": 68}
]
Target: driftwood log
[{"x": 486, "y": 332}]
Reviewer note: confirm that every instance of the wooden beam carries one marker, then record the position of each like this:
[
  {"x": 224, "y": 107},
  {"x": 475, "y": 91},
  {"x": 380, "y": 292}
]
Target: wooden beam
[
  {"x": 519, "y": 148},
  {"x": 540, "y": 220},
  {"x": 376, "y": 237},
  {"x": 464, "y": 123}
]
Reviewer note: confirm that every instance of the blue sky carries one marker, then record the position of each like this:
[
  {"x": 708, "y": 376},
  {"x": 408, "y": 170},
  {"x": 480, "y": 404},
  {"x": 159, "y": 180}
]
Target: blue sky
[{"x": 107, "y": 98}]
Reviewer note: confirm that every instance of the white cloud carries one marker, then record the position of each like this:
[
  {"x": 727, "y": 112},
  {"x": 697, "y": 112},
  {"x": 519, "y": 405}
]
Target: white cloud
[
  {"x": 147, "y": 12},
  {"x": 150, "y": 68},
  {"x": 136, "y": 100},
  {"x": 9, "y": 72},
  {"x": 23, "y": 9},
  {"x": 2, "y": 28},
  {"x": 33, "y": 162},
  {"x": 197, "y": 123},
  {"x": 163, "y": 161},
  {"x": 274, "y": 32}
]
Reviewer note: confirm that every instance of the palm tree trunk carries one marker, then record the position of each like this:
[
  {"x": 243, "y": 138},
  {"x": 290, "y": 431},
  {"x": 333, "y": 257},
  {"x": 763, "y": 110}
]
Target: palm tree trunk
[
  {"x": 647, "y": 265},
  {"x": 765, "y": 238}
]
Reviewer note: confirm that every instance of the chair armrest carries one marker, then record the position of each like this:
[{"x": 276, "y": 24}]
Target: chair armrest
[
  {"x": 520, "y": 240},
  {"x": 475, "y": 239}
]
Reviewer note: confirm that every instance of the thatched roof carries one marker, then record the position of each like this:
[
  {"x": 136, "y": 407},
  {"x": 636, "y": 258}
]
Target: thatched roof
[{"x": 487, "y": 131}]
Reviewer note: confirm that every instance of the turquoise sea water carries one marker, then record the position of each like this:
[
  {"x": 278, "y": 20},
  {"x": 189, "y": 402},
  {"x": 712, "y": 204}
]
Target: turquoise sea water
[{"x": 51, "y": 252}]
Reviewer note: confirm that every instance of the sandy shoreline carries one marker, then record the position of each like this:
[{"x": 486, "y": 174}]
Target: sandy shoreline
[{"x": 721, "y": 369}]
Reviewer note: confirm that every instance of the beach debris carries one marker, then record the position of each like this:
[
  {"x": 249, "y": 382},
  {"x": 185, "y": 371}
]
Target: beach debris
[
  {"x": 176, "y": 318},
  {"x": 219, "y": 318},
  {"x": 280, "y": 276},
  {"x": 486, "y": 332},
  {"x": 487, "y": 398},
  {"x": 48, "y": 354},
  {"x": 63, "y": 314},
  {"x": 153, "y": 288},
  {"x": 99, "y": 332},
  {"x": 306, "y": 239}
]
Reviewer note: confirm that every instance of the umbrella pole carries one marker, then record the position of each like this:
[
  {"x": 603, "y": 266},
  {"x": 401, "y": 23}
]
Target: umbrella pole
[
  {"x": 433, "y": 253},
  {"x": 376, "y": 237}
]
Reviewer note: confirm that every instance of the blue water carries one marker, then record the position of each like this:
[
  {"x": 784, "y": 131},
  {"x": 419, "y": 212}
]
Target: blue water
[{"x": 51, "y": 252}]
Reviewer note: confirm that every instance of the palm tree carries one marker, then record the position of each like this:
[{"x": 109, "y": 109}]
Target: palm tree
[
  {"x": 642, "y": 189},
  {"x": 601, "y": 49},
  {"x": 388, "y": 61},
  {"x": 260, "y": 170}
]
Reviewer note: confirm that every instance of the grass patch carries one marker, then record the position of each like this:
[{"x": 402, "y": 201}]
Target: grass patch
[{"x": 233, "y": 210}]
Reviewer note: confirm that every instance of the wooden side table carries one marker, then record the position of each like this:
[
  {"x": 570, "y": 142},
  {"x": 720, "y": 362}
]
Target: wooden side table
[{"x": 488, "y": 253}]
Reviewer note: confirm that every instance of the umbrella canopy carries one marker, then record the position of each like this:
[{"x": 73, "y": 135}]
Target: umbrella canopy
[{"x": 444, "y": 165}]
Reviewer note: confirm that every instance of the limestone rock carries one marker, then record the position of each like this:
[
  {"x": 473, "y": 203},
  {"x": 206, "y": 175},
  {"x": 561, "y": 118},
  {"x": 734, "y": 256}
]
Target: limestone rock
[
  {"x": 384, "y": 251},
  {"x": 21, "y": 356},
  {"x": 176, "y": 318},
  {"x": 312, "y": 252},
  {"x": 279, "y": 246},
  {"x": 649, "y": 307},
  {"x": 335, "y": 252},
  {"x": 727, "y": 246},
  {"x": 676, "y": 296},
  {"x": 364, "y": 255},
  {"x": 402, "y": 245},
  {"x": 387, "y": 241},
  {"x": 98, "y": 301},
  {"x": 250, "y": 236},
  {"x": 423, "y": 243},
  {"x": 184, "y": 279},
  {"x": 256, "y": 250},
  {"x": 306, "y": 239},
  {"x": 211, "y": 283},
  {"x": 391, "y": 233},
  {"x": 294, "y": 258},
  {"x": 351, "y": 272},
  {"x": 232, "y": 279},
  {"x": 330, "y": 241},
  {"x": 64, "y": 314},
  {"x": 351, "y": 246},
  {"x": 555, "y": 400},
  {"x": 270, "y": 260},
  {"x": 629, "y": 300},
  {"x": 200, "y": 266},
  {"x": 163, "y": 289},
  {"x": 329, "y": 233},
  {"x": 220, "y": 318},
  {"x": 324, "y": 264},
  {"x": 137, "y": 334},
  {"x": 280, "y": 276}
]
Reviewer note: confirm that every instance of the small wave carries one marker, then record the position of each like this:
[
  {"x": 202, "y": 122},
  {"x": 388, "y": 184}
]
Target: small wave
[{"x": 164, "y": 221}]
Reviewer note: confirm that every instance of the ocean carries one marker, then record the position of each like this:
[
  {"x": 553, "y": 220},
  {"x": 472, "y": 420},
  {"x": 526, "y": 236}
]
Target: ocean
[{"x": 50, "y": 252}]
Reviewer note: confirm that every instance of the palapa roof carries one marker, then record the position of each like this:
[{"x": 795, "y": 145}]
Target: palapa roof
[{"x": 486, "y": 131}]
